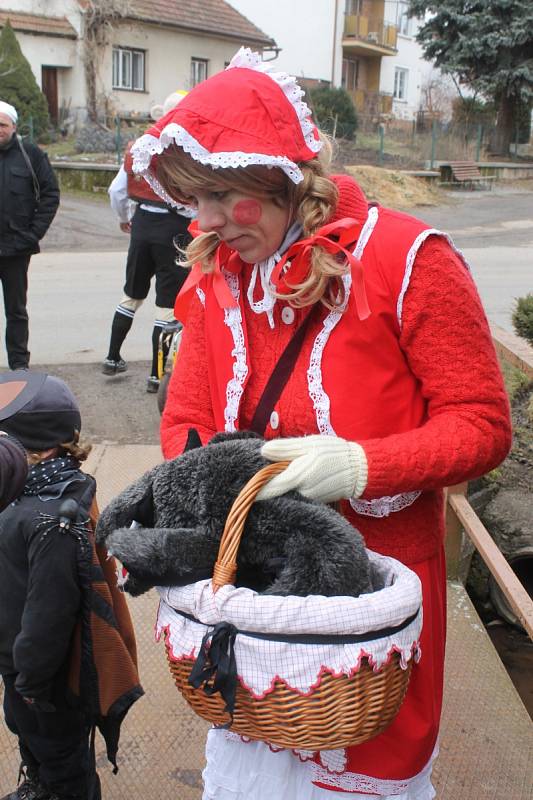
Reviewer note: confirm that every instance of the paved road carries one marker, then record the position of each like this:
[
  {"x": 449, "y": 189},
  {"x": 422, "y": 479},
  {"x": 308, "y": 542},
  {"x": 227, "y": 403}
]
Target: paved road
[
  {"x": 76, "y": 282},
  {"x": 495, "y": 232},
  {"x": 84, "y": 224}
]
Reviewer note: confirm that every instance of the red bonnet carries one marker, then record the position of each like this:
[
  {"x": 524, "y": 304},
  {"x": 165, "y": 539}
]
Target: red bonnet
[{"x": 247, "y": 114}]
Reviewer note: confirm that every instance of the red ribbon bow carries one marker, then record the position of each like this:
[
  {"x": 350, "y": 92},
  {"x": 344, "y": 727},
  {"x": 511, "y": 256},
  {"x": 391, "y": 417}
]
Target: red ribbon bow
[{"x": 295, "y": 262}]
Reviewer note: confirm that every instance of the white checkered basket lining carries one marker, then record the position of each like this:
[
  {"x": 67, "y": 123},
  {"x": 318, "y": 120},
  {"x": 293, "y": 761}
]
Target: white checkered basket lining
[{"x": 260, "y": 662}]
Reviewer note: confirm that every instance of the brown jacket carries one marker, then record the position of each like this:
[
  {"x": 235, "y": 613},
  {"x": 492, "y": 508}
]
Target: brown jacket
[{"x": 103, "y": 667}]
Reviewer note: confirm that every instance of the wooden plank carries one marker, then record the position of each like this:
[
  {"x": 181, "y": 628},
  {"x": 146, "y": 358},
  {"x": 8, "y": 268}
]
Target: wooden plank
[
  {"x": 454, "y": 541},
  {"x": 513, "y": 349},
  {"x": 465, "y": 175},
  {"x": 517, "y": 596},
  {"x": 468, "y": 167}
]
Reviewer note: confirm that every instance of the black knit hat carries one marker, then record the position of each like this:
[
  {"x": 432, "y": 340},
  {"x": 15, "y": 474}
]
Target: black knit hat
[{"x": 37, "y": 409}]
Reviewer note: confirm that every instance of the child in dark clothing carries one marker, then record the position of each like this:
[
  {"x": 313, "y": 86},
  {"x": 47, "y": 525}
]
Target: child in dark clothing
[
  {"x": 13, "y": 469},
  {"x": 47, "y": 560}
]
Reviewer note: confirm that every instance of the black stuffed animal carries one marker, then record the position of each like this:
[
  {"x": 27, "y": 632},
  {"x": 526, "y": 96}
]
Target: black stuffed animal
[{"x": 290, "y": 545}]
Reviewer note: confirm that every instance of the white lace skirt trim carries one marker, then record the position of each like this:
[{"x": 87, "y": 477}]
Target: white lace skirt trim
[
  {"x": 239, "y": 770},
  {"x": 260, "y": 662}
]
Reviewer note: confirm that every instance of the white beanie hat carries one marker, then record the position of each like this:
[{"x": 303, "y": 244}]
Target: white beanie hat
[
  {"x": 10, "y": 111},
  {"x": 158, "y": 111},
  {"x": 173, "y": 99}
]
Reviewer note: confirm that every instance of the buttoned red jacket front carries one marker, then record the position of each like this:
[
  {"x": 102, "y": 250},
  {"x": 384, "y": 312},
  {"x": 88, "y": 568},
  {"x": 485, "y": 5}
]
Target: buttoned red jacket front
[{"x": 399, "y": 382}]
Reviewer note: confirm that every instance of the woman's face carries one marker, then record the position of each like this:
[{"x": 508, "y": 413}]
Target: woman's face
[{"x": 253, "y": 226}]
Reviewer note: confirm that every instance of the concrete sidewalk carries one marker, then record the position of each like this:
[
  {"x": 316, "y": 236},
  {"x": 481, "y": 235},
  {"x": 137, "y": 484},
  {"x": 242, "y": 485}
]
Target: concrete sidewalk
[{"x": 487, "y": 736}]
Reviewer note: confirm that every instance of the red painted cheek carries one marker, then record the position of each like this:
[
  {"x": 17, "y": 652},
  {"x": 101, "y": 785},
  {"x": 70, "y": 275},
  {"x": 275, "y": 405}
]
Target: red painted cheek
[{"x": 247, "y": 212}]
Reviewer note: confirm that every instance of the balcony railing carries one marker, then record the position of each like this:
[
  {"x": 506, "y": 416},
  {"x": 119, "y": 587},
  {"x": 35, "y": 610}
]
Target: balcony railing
[
  {"x": 370, "y": 30},
  {"x": 460, "y": 516}
]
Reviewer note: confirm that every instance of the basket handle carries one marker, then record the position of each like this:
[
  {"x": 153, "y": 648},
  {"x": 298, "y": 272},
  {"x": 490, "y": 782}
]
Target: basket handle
[{"x": 225, "y": 568}]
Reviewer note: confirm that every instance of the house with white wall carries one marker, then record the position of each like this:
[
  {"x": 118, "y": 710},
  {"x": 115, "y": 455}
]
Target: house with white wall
[
  {"x": 366, "y": 46},
  {"x": 48, "y": 34},
  {"x": 338, "y": 42},
  {"x": 306, "y": 33},
  {"x": 417, "y": 86},
  {"x": 157, "y": 47}
]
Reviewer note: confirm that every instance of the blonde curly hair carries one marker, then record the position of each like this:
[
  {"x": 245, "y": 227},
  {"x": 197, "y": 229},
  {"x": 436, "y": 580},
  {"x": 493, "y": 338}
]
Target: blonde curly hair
[
  {"x": 311, "y": 202},
  {"x": 77, "y": 448}
]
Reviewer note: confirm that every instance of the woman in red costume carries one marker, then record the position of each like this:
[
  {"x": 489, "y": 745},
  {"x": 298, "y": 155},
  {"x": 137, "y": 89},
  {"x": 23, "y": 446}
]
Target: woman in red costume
[{"x": 395, "y": 394}]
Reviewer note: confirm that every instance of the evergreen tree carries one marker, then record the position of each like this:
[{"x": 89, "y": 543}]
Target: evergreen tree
[
  {"x": 334, "y": 111},
  {"x": 18, "y": 85},
  {"x": 488, "y": 46}
]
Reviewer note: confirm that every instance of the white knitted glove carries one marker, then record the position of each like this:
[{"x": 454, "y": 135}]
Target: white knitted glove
[{"x": 323, "y": 468}]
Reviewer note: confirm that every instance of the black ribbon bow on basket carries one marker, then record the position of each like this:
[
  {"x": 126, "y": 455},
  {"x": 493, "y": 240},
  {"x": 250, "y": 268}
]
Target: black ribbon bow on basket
[{"x": 215, "y": 668}]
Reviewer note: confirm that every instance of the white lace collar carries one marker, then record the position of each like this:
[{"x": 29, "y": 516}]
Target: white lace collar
[{"x": 264, "y": 269}]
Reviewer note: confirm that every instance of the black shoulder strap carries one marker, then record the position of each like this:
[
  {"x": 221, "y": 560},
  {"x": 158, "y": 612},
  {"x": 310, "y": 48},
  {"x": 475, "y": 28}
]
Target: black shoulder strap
[
  {"x": 279, "y": 377},
  {"x": 36, "y": 187}
]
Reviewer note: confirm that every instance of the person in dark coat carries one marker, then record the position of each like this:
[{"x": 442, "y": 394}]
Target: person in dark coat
[
  {"x": 29, "y": 198},
  {"x": 49, "y": 582},
  {"x": 13, "y": 469}
]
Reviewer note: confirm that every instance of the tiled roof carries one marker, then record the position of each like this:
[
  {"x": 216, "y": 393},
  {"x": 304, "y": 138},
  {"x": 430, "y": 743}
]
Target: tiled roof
[
  {"x": 33, "y": 23},
  {"x": 207, "y": 16}
]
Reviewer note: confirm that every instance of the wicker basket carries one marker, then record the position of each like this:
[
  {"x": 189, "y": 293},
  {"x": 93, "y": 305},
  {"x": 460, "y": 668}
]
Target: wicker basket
[{"x": 341, "y": 711}]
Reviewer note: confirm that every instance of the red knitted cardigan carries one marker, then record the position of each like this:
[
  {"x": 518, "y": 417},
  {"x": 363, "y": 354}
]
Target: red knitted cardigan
[{"x": 446, "y": 341}]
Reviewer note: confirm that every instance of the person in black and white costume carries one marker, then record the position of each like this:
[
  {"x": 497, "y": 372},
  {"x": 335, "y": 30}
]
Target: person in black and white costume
[{"x": 156, "y": 232}]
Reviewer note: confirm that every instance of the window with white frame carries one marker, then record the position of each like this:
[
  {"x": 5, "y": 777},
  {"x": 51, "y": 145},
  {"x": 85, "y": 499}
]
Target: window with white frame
[
  {"x": 403, "y": 20},
  {"x": 198, "y": 70},
  {"x": 350, "y": 74},
  {"x": 400, "y": 83},
  {"x": 128, "y": 69}
]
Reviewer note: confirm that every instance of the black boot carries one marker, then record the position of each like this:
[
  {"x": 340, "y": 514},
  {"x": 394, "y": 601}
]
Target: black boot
[{"x": 122, "y": 322}]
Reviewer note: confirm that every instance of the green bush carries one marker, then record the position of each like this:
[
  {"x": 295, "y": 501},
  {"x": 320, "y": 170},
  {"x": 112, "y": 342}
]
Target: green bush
[
  {"x": 523, "y": 317},
  {"x": 19, "y": 87},
  {"x": 334, "y": 111}
]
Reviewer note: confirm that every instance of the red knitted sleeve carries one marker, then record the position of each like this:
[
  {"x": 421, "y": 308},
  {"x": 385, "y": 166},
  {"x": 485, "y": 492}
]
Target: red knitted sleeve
[
  {"x": 188, "y": 402},
  {"x": 447, "y": 343}
]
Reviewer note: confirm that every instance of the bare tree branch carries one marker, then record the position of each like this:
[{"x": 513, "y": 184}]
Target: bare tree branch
[{"x": 100, "y": 18}]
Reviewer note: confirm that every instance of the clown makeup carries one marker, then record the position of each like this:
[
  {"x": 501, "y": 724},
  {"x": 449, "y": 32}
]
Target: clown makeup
[
  {"x": 253, "y": 226},
  {"x": 247, "y": 212}
]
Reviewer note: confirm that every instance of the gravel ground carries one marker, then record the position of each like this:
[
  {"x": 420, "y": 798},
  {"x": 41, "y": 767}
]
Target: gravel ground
[{"x": 116, "y": 409}]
